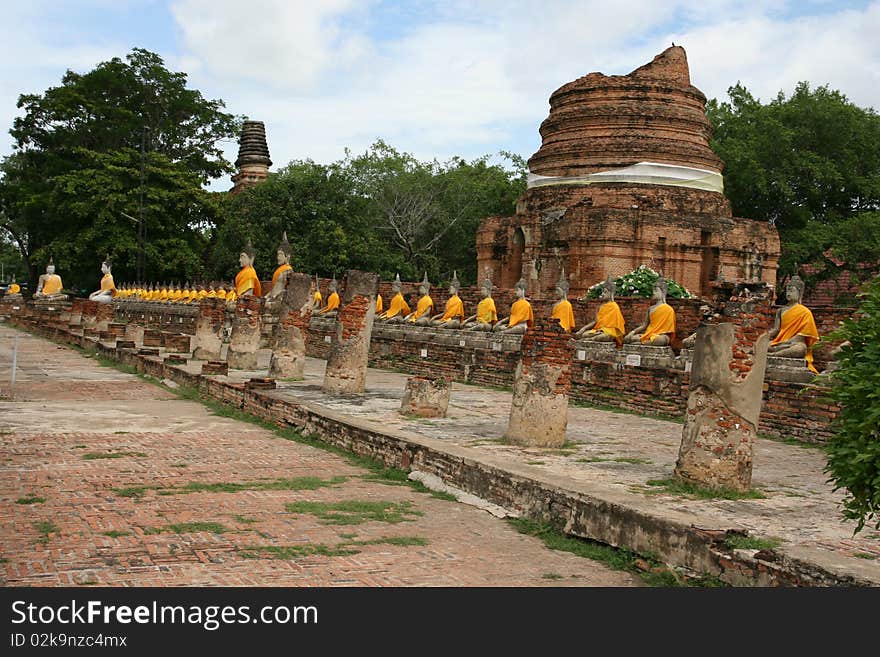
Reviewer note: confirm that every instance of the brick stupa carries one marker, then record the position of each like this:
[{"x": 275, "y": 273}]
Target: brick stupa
[
  {"x": 253, "y": 157},
  {"x": 625, "y": 176}
]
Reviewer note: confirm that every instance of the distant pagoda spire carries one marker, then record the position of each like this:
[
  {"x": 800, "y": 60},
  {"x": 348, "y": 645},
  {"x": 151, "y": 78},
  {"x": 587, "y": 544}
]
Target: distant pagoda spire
[{"x": 253, "y": 157}]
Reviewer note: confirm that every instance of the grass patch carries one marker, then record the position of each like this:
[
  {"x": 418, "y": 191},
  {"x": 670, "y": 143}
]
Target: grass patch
[
  {"x": 356, "y": 512},
  {"x": 740, "y": 542},
  {"x": 132, "y": 491},
  {"x": 45, "y": 528},
  {"x": 30, "y": 499},
  {"x": 551, "y": 576},
  {"x": 791, "y": 441},
  {"x": 116, "y": 533},
  {"x": 616, "y": 558},
  {"x": 620, "y": 459},
  {"x": 297, "y": 483},
  {"x": 865, "y": 555},
  {"x": 188, "y": 528},
  {"x": 244, "y": 520},
  {"x": 402, "y": 541},
  {"x": 92, "y": 456},
  {"x": 80, "y": 447},
  {"x": 535, "y": 463},
  {"x": 674, "y": 486},
  {"x": 294, "y": 551}
]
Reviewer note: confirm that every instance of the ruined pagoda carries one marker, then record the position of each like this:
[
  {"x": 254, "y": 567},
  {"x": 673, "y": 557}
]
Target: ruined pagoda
[
  {"x": 625, "y": 176},
  {"x": 253, "y": 157}
]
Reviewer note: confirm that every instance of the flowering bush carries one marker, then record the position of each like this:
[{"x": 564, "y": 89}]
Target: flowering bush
[{"x": 640, "y": 283}]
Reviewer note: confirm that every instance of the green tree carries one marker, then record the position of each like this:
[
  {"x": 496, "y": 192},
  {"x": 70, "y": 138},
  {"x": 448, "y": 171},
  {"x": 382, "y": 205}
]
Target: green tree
[
  {"x": 854, "y": 450},
  {"x": 78, "y": 169},
  {"x": 810, "y": 163}
]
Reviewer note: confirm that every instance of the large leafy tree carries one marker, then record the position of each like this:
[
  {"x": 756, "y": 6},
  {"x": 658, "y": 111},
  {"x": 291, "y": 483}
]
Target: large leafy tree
[
  {"x": 112, "y": 161},
  {"x": 810, "y": 163}
]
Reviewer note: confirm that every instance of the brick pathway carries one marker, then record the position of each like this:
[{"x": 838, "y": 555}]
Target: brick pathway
[{"x": 68, "y": 413}]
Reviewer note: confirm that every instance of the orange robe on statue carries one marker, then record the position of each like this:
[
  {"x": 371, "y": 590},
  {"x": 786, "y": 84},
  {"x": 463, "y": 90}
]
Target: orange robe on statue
[
  {"x": 279, "y": 271},
  {"x": 565, "y": 314},
  {"x": 454, "y": 309},
  {"x": 378, "y": 303},
  {"x": 245, "y": 280},
  {"x": 521, "y": 311},
  {"x": 609, "y": 320},
  {"x": 486, "y": 313},
  {"x": 798, "y": 320},
  {"x": 424, "y": 305},
  {"x": 52, "y": 284},
  {"x": 332, "y": 303},
  {"x": 107, "y": 284},
  {"x": 662, "y": 322},
  {"x": 399, "y": 306}
]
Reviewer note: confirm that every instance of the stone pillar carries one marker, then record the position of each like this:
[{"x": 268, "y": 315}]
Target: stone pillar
[
  {"x": 347, "y": 363},
  {"x": 291, "y": 331},
  {"x": 425, "y": 397},
  {"x": 134, "y": 332},
  {"x": 727, "y": 377},
  {"x": 539, "y": 411},
  {"x": 208, "y": 339},
  {"x": 246, "y": 329}
]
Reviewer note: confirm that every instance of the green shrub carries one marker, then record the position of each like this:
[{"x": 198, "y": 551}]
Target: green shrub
[
  {"x": 640, "y": 283},
  {"x": 854, "y": 450}
]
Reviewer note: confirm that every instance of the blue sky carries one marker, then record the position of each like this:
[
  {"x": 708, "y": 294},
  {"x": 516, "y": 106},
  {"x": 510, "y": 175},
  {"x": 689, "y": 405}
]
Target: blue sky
[{"x": 436, "y": 79}]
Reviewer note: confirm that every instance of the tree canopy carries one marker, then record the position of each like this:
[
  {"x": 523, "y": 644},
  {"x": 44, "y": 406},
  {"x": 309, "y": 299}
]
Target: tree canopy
[
  {"x": 810, "y": 163},
  {"x": 109, "y": 160}
]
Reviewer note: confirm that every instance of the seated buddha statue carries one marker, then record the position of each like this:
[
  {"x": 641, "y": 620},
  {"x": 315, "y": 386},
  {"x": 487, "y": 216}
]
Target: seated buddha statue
[
  {"x": 332, "y": 307},
  {"x": 608, "y": 326},
  {"x": 562, "y": 309},
  {"x": 421, "y": 316},
  {"x": 316, "y": 297},
  {"x": 521, "y": 315},
  {"x": 247, "y": 283},
  {"x": 486, "y": 316},
  {"x": 453, "y": 314},
  {"x": 794, "y": 330},
  {"x": 13, "y": 292},
  {"x": 399, "y": 308},
  {"x": 49, "y": 284},
  {"x": 282, "y": 272},
  {"x": 658, "y": 329},
  {"x": 379, "y": 305},
  {"x": 108, "y": 289}
]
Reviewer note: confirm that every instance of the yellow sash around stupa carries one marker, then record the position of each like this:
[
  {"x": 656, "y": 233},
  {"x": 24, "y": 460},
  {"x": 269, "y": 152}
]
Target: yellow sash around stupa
[
  {"x": 521, "y": 311},
  {"x": 378, "y": 303},
  {"x": 52, "y": 284},
  {"x": 399, "y": 306},
  {"x": 662, "y": 322},
  {"x": 425, "y": 304},
  {"x": 246, "y": 280},
  {"x": 798, "y": 320},
  {"x": 279, "y": 271},
  {"x": 609, "y": 320},
  {"x": 107, "y": 284},
  {"x": 565, "y": 314},
  {"x": 454, "y": 309},
  {"x": 332, "y": 303}
]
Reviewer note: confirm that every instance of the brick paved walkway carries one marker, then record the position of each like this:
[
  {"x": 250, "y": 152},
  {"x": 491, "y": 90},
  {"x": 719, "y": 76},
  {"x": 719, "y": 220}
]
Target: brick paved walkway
[{"x": 141, "y": 518}]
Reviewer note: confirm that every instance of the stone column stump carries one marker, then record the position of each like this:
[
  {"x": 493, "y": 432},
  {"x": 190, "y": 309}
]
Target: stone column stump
[
  {"x": 347, "y": 363},
  {"x": 425, "y": 397},
  {"x": 246, "y": 329},
  {"x": 539, "y": 411},
  {"x": 208, "y": 339},
  {"x": 727, "y": 378},
  {"x": 291, "y": 331}
]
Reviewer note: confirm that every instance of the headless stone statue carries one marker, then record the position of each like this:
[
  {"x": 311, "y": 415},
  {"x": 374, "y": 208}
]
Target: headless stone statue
[
  {"x": 486, "y": 315},
  {"x": 658, "y": 329},
  {"x": 399, "y": 308},
  {"x": 608, "y": 325},
  {"x": 49, "y": 284},
  {"x": 421, "y": 316},
  {"x": 453, "y": 316},
  {"x": 562, "y": 309},
  {"x": 521, "y": 316},
  {"x": 108, "y": 289},
  {"x": 282, "y": 273},
  {"x": 794, "y": 330}
]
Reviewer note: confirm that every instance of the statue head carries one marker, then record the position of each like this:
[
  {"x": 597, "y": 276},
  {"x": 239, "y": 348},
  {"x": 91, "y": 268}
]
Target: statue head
[
  {"x": 794, "y": 289},
  {"x": 454, "y": 284},
  {"x": 609, "y": 287},
  {"x": 247, "y": 255},
  {"x": 397, "y": 284},
  {"x": 424, "y": 286},
  {"x": 50, "y": 268},
  {"x": 284, "y": 250},
  {"x": 105, "y": 266},
  {"x": 562, "y": 285},
  {"x": 520, "y": 289},
  {"x": 661, "y": 287}
]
